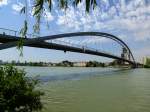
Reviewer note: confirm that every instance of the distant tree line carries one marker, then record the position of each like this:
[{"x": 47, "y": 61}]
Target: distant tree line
[
  {"x": 18, "y": 63},
  {"x": 65, "y": 63},
  {"x": 95, "y": 64},
  {"x": 147, "y": 64},
  {"x": 115, "y": 63}
]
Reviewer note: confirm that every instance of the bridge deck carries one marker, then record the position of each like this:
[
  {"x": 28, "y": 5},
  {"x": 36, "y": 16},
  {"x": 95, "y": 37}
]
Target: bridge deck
[{"x": 42, "y": 44}]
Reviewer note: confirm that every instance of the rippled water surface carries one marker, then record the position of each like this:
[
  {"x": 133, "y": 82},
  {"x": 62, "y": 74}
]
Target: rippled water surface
[{"x": 94, "y": 89}]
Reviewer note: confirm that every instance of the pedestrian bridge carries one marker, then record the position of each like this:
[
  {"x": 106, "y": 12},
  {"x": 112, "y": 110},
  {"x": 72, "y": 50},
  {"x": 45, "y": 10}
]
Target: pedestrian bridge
[{"x": 10, "y": 38}]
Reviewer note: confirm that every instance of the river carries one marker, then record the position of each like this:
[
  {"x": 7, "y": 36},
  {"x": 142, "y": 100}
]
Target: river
[{"x": 93, "y": 89}]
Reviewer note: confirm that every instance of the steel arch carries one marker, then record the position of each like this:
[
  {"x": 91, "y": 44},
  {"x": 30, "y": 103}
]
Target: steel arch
[
  {"x": 101, "y": 34},
  {"x": 28, "y": 41}
]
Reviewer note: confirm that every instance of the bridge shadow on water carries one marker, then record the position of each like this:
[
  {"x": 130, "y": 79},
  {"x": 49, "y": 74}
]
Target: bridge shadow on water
[{"x": 79, "y": 76}]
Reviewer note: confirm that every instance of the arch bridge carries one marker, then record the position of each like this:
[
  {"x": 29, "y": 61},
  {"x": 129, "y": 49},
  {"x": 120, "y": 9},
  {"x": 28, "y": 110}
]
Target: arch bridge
[{"x": 10, "y": 38}]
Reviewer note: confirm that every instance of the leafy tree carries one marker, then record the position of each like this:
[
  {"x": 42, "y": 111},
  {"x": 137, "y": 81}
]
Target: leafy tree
[
  {"x": 147, "y": 64},
  {"x": 17, "y": 92},
  {"x": 94, "y": 64},
  {"x": 148, "y": 61}
]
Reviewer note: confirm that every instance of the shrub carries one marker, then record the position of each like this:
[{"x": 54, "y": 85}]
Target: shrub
[{"x": 17, "y": 92}]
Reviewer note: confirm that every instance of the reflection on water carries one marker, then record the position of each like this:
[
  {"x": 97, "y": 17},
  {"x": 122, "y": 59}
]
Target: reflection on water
[
  {"x": 96, "y": 90},
  {"x": 46, "y": 74}
]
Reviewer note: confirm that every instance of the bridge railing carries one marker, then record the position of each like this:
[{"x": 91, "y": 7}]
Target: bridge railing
[
  {"x": 8, "y": 32},
  {"x": 15, "y": 33},
  {"x": 84, "y": 47}
]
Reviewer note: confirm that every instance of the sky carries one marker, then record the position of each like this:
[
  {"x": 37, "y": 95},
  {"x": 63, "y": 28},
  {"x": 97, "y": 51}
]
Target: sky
[{"x": 126, "y": 19}]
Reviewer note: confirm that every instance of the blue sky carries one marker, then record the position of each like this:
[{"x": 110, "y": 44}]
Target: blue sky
[{"x": 127, "y": 19}]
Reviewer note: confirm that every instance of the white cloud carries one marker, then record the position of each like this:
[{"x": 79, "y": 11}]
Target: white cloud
[
  {"x": 70, "y": 19},
  {"x": 132, "y": 17},
  {"x": 17, "y": 7},
  {"x": 29, "y": 2},
  {"x": 48, "y": 16},
  {"x": 3, "y": 2}
]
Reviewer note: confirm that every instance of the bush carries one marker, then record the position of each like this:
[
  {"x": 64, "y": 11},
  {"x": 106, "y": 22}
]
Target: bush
[
  {"x": 146, "y": 66},
  {"x": 17, "y": 92}
]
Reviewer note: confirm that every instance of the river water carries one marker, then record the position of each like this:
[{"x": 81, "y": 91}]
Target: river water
[{"x": 93, "y": 89}]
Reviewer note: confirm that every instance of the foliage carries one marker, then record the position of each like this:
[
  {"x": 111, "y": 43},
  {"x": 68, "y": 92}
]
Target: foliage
[
  {"x": 65, "y": 64},
  {"x": 39, "y": 7},
  {"x": 148, "y": 61},
  {"x": 17, "y": 93},
  {"x": 147, "y": 64},
  {"x": 63, "y": 4},
  {"x": 23, "y": 33},
  {"x": 94, "y": 64},
  {"x": 115, "y": 63}
]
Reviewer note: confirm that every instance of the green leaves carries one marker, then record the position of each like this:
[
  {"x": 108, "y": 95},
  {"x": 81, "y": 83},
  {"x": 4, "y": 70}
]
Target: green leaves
[
  {"x": 23, "y": 10},
  {"x": 76, "y": 2},
  {"x": 63, "y": 4},
  {"x": 38, "y": 7},
  {"x": 90, "y": 4},
  {"x": 23, "y": 33},
  {"x": 17, "y": 92},
  {"x": 50, "y": 4},
  {"x": 37, "y": 13}
]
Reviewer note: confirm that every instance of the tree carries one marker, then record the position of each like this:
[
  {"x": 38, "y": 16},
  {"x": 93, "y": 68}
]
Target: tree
[
  {"x": 115, "y": 63},
  {"x": 17, "y": 92},
  {"x": 147, "y": 64},
  {"x": 94, "y": 64}
]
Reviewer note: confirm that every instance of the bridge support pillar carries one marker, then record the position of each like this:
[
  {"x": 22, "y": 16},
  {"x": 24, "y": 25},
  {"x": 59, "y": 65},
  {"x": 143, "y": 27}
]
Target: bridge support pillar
[{"x": 126, "y": 55}]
